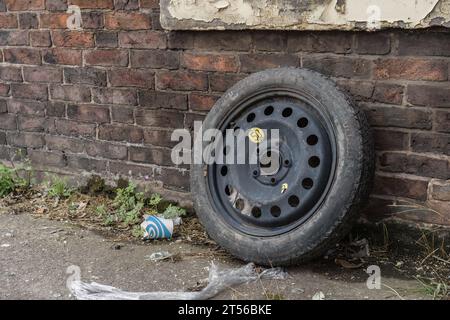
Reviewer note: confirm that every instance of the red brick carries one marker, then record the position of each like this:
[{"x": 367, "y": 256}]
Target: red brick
[
  {"x": 162, "y": 100},
  {"x": 440, "y": 190},
  {"x": 391, "y": 140},
  {"x": 75, "y": 129},
  {"x": 430, "y": 142},
  {"x": 155, "y": 59},
  {"x": 183, "y": 81},
  {"x": 222, "y": 82},
  {"x": 33, "y": 124},
  {"x": 28, "y": 20},
  {"x": 92, "y": 20},
  {"x": 56, "y": 5},
  {"x": 89, "y": 76},
  {"x": 56, "y": 109},
  {"x": 26, "y": 107},
  {"x": 88, "y": 113},
  {"x": 320, "y": 42},
  {"x": 161, "y": 138},
  {"x": 22, "y": 56},
  {"x": 442, "y": 121},
  {"x": 209, "y": 62},
  {"x": 411, "y": 69},
  {"x": 342, "y": 67},
  {"x": 77, "y": 39},
  {"x": 417, "y": 164},
  {"x": 402, "y": 117},
  {"x": 123, "y": 133},
  {"x": 270, "y": 41},
  {"x": 126, "y": 4},
  {"x": 128, "y": 21},
  {"x": 25, "y": 5},
  {"x": 107, "y": 57},
  {"x": 87, "y": 164},
  {"x": 70, "y": 93},
  {"x": 114, "y": 96},
  {"x": 122, "y": 114},
  {"x": 104, "y": 39},
  {"x": 201, "y": 102},
  {"x": 4, "y": 89},
  {"x": 401, "y": 186},
  {"x": 429, "y": 95},
  {"x": 32, "y": 140},
  {"x": 424, "y": 44},
  {"x": 8, "y": 21},
  {"x": 361, "y": 90},
  {"x": 258, "y": 62},
  {"x": 30, "y": 91},
  {"x": 132, "y": 78},
  {"x": 54, "y": 20},
  {"x": 64, "y": 144},
  {"x": 42, "y": 74},
  {"x": 223, "y": 40},
  {"x": 159, "y": 156},
  {"x": 388, "y": 93},
  {"x": 180, "y": 40},
  {"x": 372, "y": 43},
  {"x": 63, "y": 56},
  {"x": 45, "y": 158},
  {"x": 143, "y": 39},
  {"x": 12, "y": 74},
  {"x": 8, "y": 121},
  {"x": 174, "y": 178},
  {"x": 14, "y": 38},
  {"x": 40, "y": 39},
  {"x": 106, "y": 150},
  {"x": 93, "y": 4},
  {"x": 149, "y": 4},
  {"x": 159, "y": 118}
]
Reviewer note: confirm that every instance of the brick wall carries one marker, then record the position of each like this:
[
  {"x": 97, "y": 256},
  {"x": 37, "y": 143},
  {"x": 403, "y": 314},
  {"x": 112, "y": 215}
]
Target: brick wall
[{"x": 105, "y": 99}]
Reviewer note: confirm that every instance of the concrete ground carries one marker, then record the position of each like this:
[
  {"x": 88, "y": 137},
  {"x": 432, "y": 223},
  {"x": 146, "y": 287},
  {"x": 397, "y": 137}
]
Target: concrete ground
[{"x": 35, "y": 254}]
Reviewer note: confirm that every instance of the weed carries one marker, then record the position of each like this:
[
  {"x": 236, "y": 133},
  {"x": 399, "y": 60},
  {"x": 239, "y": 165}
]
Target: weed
[
  {"x": 437, "y": 289},
  {"x": 7, "y": 180},
  {"x": 173, "y": 212},
  {"x": 11, "y": 180},
  {"x": 58, "y": 188},
  {"x": 128, "y": 204},
  {"x": 137, "y": 231}
]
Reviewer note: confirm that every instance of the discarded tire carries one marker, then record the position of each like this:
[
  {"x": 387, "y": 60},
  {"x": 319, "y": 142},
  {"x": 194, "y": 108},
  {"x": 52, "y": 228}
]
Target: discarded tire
[{"x": 322, "y": 176}]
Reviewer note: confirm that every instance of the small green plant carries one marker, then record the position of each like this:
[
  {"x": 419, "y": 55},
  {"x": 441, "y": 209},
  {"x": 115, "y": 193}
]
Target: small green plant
[
  {"x": 58, "y": 188},
  {"x": 173, "y": 212},
  {"x": 7, "y": 180},
  {"x": 128, "y": 204},
  {"x": 137, "y": 231},
  {"x": 155, "y": 200}
]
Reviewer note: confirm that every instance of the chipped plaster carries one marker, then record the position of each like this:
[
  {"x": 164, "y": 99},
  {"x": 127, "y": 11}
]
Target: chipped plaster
[{"x": 303, "y": 14}]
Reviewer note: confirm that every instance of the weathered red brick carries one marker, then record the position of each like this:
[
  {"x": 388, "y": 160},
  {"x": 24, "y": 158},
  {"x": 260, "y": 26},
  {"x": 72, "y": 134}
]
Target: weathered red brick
[
  {"x": 161, "y": 138},
  {"x": 87, "y": 164},
  {"x": 183, "y": 81},
  {"x": 143, "y": 39},
  {"x": 70, "y": 93},
  {"x": 411, "y": 69},
  {"x": 8, "y": 73},
  {"x": 223, "y": 41},
  {"x": 128, "y": 21},
  {"x": 22, "y": 56},
  {"x": 159, "y": 118},
  {"x": 107, "y": 57},
  {"x": 258, "y": 62},
  {"x": 28, "y": 123},
  {"x": 342, "y": 67},
  {"x": 209, "y": 62},
  {"x": 77, "y": 39},
  {"x": 155, "y": 59},
  {"x": 440, "y": 190},
  {"x": 25, "y": 5},
  {"x": 8, "y": 121},
  {"x": 123, "y": 133},
  {"x": 21, "y": 139},
  {"x": 26, "y": 107},
  {"x": 201, "y": 102},
  {"x": 114, "y": 96},
  {"x": 430, "y": 142},
  {"x": 64, "y": 144},
  {"x": 403, "y": 117},
  {"x": 122, "y": 114},
  {"x": 388, "y": 93},
  {"x": 63, "y": 56},
  {"x": 132, "y": 78},
  {"x": 93, "y": 4},
  {"x": 442, "y": 121},
  {"x": 88, "y": 113},
  {"x": 106, "y": 150},
  {"x": 75, "y": 129},
  {"x": 391, "y": 140},
  {"x": 320, "y": 42},
  {"x": 221, "y": 82},
  {"x": 149, "y": 4},
  {"x": 29, "y": 91},
  {"x": 42, "y": 74},
  {"x": 429, "y": 95},
  {"x": 372, "y": 43},
  {"x": 28, "y": 20},
  {"x": 159, "y": 156},
  {"x": 8, "y": 21},
  {"x": 14, "y": 38},
  {"x": 401, "y": 186},
  {"x": 40, "y": 38},
  {"x": 162, "y": 100},
  {"x": 54, "y": 20}
]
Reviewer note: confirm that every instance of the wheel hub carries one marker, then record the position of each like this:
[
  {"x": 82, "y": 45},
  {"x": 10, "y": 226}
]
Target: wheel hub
[{"x": 291, "y": 175}]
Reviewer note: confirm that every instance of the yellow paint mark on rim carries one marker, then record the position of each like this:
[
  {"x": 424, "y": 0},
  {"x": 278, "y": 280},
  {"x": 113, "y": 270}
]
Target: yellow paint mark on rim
[{"x": 256, "y": 135}]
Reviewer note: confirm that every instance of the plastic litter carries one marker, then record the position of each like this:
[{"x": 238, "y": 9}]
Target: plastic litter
[
  {"x": 318, "y": 296},
  {"x": 158, "y": 256},
  {"x": 156, "y": 227},
  {"x": 218, "y": 281}
]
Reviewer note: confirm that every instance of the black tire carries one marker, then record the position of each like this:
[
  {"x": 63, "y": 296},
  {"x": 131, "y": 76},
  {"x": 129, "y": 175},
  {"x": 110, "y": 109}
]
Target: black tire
[{"x": 348, "y": 191}]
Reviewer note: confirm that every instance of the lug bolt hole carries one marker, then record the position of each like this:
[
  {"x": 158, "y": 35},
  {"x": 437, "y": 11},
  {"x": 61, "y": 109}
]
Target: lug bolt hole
[
  {"x": 312, "y": 140},
  {"x": 224, "y": 171},
  {"x": 268, "y": 111},
  {"x": 307, "y": 183},
  {"x": 256, "y": 212},
  {"x": 255, "y": 173},
  {"x": 275, "y": 211},
  {"x": 287, "y": 162},
  {"x": 314, "y": 162},
  {"x": 251, "y": 117},
  {"x": 294, "y": 201},
  {"x": 302, "y": 123},
  {"x": 287, "y": 112}
]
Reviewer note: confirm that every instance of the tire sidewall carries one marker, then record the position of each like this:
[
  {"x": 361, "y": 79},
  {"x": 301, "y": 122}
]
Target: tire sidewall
[{"x": 311, "y": 237}]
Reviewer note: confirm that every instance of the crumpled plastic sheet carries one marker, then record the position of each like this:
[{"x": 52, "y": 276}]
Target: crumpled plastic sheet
[{"x": 218, "y": 281}]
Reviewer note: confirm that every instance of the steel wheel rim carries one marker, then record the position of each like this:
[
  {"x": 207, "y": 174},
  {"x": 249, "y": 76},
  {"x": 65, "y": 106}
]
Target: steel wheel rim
[{"x": 307, "y": 143}]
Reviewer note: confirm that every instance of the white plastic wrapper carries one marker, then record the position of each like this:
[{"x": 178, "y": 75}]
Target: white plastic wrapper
[{"x": 218, "y": 281}]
